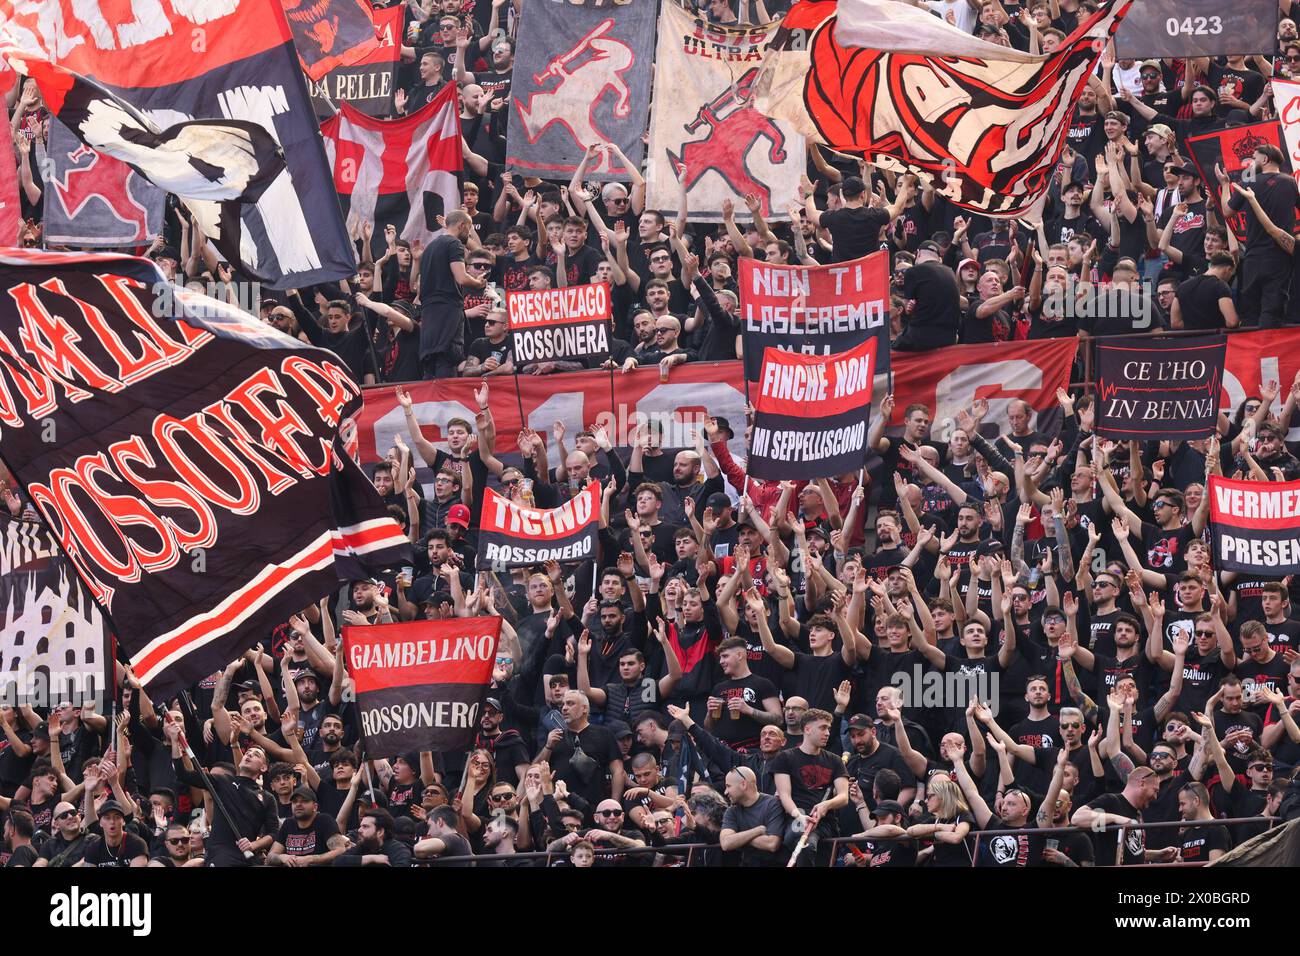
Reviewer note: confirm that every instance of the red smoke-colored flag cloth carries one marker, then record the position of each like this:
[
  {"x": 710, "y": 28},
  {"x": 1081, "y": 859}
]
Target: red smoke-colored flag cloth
[
  {"x": 211, "y": 60},
  {"x": 515, "y": 536},
  {"x": 400, "y": 172},
  {"x": 982, "y": 122},
  {"x": 11, "y": 218},
  {"x": 330, "y": 33},
  {"x": 420, "y": 686},
  {"x": 187, "y": 457}
]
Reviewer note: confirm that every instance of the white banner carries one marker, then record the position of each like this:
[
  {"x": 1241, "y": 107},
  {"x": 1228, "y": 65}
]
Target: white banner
[
  {"x": 702, "y": 73},
  {"x": 1286, "y": 103}
]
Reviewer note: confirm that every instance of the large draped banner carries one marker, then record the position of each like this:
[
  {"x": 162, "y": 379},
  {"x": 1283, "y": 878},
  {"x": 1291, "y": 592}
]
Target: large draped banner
[
  {"x": 1256, "y": 358},
  {"x": 330, "y": 33},
  {"x": 95, "y": 200},
  {"x": 1255, "y": 525},
  {"x": 420, "y": 685},
  {"x": 702, "y": 127},
  {"x": 54, "y": 643},
  {"x": 187, "y": 457},
  {"x": 945, "y": 380},
  {"x": 817, "y": 310},
  {"x": 984, "y": 123},
  {"x": 549, "y": 325},
  {"x": 581, "y": 77},
  {"x": 221, "y": 59}
]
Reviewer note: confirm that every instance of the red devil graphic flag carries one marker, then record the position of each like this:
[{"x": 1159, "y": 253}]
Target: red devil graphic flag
[
  {"x": 330, "y": 33},
  {"x": 191, "y": 467}
]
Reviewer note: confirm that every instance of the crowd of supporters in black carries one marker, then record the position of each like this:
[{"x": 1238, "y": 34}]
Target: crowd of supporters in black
[{"x": 1010, "y": 629}]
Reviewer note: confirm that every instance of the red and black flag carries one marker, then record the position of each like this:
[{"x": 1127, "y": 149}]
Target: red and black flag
[
  {"x": 514, "y": 536},
  {"x": 367, "y": 83},
  {"x": 554, "y": 325},
  {"x": 1255, "y": 525},
  {"x": 187, "y": 457},
  {"x": 811, "y": 414},
  {"x": 330, "y": 33},
  {"x": 420, "y": 685},
  {"x": 1233, "y": 148},
  {"x": 209, "y": 61}
]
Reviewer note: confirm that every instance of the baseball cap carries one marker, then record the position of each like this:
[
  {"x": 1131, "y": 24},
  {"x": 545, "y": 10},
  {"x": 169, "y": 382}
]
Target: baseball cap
[
  {"x": 1160, "y": 129},
  {"x": 890, "y": 806},
  {"x": 618, "y": 728},
  {"x": 494, "y": 703},
  {"x": 724, "y": 426},
  {"x": 304, "y": 791},
  {"x": 1149, "y": 65},
  {"x": 717, "y": 501},
  {"x": 861, "y": 722},
  {"x": 110, "y": 806},
  {"x": 458, "y": 514},
  {"x": 968, "y": 262},
  {"x": 304, "y": 673}
]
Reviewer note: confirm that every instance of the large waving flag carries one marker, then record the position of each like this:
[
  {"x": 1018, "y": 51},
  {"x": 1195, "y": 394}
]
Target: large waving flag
[
  {"x": 211, "y": 60},
  {"x": 187, "y": 457},
  {"x": 403, "y": 171},
  {"x": 330, "y": 33},
  {"x": 894, "y": 83}
]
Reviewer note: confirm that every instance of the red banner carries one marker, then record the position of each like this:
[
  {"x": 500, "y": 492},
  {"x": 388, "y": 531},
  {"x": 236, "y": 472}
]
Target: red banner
[
  {"x": 1255, "y": 358},
  {"x": 944, "y": 380},
  {"x": 1254, "y": 525}
]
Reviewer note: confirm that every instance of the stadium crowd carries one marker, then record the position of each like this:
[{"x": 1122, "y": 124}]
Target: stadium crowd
[{"x": 1018, "y": 629}]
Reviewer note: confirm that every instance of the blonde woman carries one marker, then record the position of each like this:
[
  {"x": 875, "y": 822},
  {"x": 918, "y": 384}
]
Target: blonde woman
[{"x": 950, "y": 828}]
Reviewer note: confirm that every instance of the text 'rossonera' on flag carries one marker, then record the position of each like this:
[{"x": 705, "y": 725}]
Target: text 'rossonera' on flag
[
  {"x": 513, "y": 535},
  {"x": 191, "y": 468},
  {"x": 549, "y": 325},
  {"x": 420, "y": 685},
  {"x": 811, "y": 414}
]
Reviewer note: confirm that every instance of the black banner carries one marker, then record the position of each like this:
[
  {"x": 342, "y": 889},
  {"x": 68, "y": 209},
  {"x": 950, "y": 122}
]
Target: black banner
[
  {"x": 1159, "y": 29},
  {"x": 54, "y": 643},
  {"x": 191, "y": 467},
  {"x": 811, "y": 414},
  {"x": 1159, "y": 389},
  {"x": 1233, "y": 148},
  {"x": 1255, "y": 525},
  {"x": 368, "y": 82},
  {"x": 420, "y": 685},
  {"x": 513, "y": 536}
]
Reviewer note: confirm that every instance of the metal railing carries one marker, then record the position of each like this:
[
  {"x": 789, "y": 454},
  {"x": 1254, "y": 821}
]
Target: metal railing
[
  {"x": 1119, "y": 832},
  {"x": 548, "y": 856}
]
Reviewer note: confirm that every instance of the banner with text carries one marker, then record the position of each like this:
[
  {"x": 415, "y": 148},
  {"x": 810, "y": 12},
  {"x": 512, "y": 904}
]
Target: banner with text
[
  {"x": 704, "y": 126},
  {"x": 420, "y": 686},
  {"x": 812, "y": 413},
  {"x": 1286, "y": 104},
  {"x": 1255, "y": 525},
  {"x": 514, "y": 536},
  {"x": 816, "y": 310},
  {"x": 366, "y": 83},
  {"x": 1156, "y": 29},
  {"x": 1160, "y": 388},
  {"x": 553, "y": 325}
]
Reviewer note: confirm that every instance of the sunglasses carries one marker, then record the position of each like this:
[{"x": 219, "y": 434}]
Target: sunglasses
[
  {"x": 619, "y": 200},
  {"x": 65, "y": 814},
  {"x": 501, "y": 796},
  {"x": 1262, "y": 767},
  {"x": 609, "y": 813},
  {"x": 1160, "y": 504},
  {"x": 479, "y": 265},
  {"x": 178, "y": 841},
  {"x": 1072, "y": 725},
  {"x": 1206, "y": 634}
]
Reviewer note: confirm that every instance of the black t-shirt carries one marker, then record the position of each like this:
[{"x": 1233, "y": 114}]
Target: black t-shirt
[
  {"x": 1277, "y": 196},
  {"x": 809, "y": 779},
  {"x": 815, "y": 678},
  {"x": 441, "y": 311},
  {"x": 863, "y": 769},
  {"x": 1198, "y": 300},
  {"x": 598, "y": 744},
  {"x": 753, "y": 690},
  {"x": 306, "y": 841},
  {"x": 854, "y": 231},
  {"x": 934, "y": 288},
  {"x": 1166, "y": 550},
  {"x": 766, "y": 812},
  {"x": 100, "y": 854},
  {"x": 1196, "y": 843},
  {"x": 1134, "y": 840},
  {"x": 23, "y": 856},
  {"x": 1011, "y": 850}
]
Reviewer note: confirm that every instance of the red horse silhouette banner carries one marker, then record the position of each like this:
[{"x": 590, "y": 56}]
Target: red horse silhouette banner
[
  {"x": 984, "y": 123},
  {"x": 705, "y": 130},
  {"x": 581, "y": 77}
]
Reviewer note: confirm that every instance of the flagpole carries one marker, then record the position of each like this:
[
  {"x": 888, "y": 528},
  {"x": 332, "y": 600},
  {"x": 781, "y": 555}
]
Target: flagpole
[{"x": 203, "y": 774}]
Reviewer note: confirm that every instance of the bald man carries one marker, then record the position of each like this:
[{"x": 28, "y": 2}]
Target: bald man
[{"x": 754, "y": 823}]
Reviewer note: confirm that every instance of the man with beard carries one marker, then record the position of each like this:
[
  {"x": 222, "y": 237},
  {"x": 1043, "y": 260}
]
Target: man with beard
[
  {"x": 444, "y": 838},
  {"x": 309, "y": 838},
  {"x": 1200, "y": 844},
  {"x": 175, "y": 848},
  {"x": 499, "y": 842},
  {"x": 377, "y": 845},
  {"x": 870, "y": 756},
  {"x": 754, "y": 823},
  {"x": 1114, "y": 809},
  {"x": 311, "y": 708},
  {"x": 251, "y": 809},
  {"x": 508, "y": 750},
  {"x": 329, "y": 741},
  {"x": 68, "y": 843}
]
